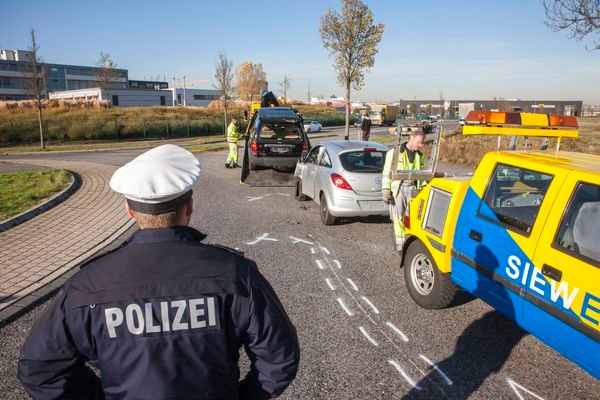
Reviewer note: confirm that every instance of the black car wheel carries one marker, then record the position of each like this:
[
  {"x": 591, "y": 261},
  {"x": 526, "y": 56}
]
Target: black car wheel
[
  {"x": 429, "y": 288},
  {"x": 326, "y": 217},
  {"x": 298, "y": 194}
]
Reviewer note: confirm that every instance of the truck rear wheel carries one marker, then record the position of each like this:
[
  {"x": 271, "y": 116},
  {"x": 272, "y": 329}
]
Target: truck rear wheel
[{"x": 429, "y": 288}]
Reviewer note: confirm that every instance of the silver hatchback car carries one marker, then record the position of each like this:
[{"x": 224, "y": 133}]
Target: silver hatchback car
[{"x": 344, "y": 177}]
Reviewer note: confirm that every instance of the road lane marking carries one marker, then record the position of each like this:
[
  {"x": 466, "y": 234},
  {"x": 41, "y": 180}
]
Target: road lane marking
[
  {"x": 265, "y": 236},
  {"x": 352, "y": 284},
  {"x": 438, "y": 369},
  {"x": 344, "y": 306},
  {"x": 298, "y": 240},
  {"x": 320, "y": 264},
  {"x": 337, "y": 264},
  {"x": 325, "y": 250},
  {"x": 398, "y": 331},
  {"x": 519, "y": 388},
  {"x": 408, "y": 379},
  {"x": 330, "y": 284},
  {"x": 368, "y": 302},
  {"x": 366, "y": 334}
]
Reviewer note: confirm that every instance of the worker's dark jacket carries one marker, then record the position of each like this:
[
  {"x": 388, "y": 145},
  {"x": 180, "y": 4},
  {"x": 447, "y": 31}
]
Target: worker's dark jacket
[
  {"x": 365, "y": 125},
  {"x": 162, "y": 317}
]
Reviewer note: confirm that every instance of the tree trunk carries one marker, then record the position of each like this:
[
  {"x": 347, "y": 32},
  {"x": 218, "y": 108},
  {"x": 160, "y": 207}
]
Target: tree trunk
[
  {"x": 225, "y": 118},
  {"x": 347, "y": 129},
  {"x": 39, "y": 108}
]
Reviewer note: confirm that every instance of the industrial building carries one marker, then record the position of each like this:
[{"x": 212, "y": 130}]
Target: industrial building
[{"x": 82, "y": 82}]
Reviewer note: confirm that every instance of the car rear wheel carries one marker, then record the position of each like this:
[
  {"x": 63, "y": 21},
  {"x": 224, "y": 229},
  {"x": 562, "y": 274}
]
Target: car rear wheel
[
  {"x": 298, "y": 194},
  {"x": 253, "y": 166},
  {"x": 429, "y": 288},
  {"x": 326, "y": 217}
]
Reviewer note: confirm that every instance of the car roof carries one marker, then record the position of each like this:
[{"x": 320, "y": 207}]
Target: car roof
[
  {"x": 274, "y": 114},
  {"x": 342, "y": 145},
  {"x": 563, "y": 159}
]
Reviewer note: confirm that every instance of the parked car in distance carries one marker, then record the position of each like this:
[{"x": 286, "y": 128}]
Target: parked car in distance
[
  {"x": 276, "y": 138},
  {"x": 344, "y": 178},
  {"x": 312, "y": 126}
]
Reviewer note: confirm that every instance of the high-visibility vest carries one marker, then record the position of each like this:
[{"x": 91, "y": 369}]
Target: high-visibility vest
[
  {"x": 233, "y": 135},
  {"x": 402, "y": 164}
]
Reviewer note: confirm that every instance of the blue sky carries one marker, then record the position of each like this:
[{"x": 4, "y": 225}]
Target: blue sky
[{"x": 465, "y": 49}]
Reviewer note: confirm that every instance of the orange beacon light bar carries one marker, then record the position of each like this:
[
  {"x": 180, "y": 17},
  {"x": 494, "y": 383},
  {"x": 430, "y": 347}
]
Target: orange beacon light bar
[{"x": 522, "y": 124}]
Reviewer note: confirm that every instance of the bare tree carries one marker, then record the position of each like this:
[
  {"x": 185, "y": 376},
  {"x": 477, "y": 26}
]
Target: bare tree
[
  {"x": 224, "y": 81},
  {"x": 106, "y": 74},
  {"x": 250, "y": 79},
  {"x": 581, "y": 17},
  {"x": 36, "y": 83},
  {"x": 284, "y": 84},
  {"x": 352, "y": 40}
]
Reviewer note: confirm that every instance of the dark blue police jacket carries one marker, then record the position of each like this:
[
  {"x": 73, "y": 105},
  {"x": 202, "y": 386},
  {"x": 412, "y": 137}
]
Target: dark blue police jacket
[{"x": 162, "y": 317}]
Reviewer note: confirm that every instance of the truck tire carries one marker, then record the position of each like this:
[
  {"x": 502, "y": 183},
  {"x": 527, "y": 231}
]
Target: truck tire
[
  {"x": 298, "y": 193},
  {"x": 326, "y": 217},
  {"x": 429, "y": 288}
]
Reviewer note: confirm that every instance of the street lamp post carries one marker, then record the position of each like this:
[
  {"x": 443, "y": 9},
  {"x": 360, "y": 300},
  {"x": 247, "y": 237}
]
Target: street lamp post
[
  {"x": 184, "y": 96},
  {"x": 174, "y": 92}
]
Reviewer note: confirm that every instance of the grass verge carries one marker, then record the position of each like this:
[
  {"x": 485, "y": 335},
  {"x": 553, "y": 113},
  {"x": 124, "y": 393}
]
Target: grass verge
[{"x": 20, "y": 191}]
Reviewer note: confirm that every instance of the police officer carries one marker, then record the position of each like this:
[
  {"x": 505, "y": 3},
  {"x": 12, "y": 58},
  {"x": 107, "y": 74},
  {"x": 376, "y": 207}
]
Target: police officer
[
  {"x": 163, "y": 316},
  {"x": 233, "y": 135},
  {"x": 398, "y": 193}
]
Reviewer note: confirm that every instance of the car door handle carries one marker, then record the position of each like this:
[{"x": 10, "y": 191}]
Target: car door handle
[
  {"x": 552, "y": 273},
  {"x": 476, "y": 236}
]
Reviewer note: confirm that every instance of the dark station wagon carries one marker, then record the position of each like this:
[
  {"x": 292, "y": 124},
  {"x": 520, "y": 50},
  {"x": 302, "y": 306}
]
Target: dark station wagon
[{"x": 276, "y": 138}]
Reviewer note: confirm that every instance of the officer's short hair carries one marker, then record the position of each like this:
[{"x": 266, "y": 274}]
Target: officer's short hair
[
  {"x": 417, "y": 132},
  {"x": 158, "y": 221}
]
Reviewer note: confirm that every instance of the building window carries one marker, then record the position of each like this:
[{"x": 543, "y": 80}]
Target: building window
[
  {"x": 163, "y": 101},
  {"x": 115, "y": 100}
]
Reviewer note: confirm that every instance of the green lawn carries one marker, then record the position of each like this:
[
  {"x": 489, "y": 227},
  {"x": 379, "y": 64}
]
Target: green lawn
[{"x": 20, "y": 191}]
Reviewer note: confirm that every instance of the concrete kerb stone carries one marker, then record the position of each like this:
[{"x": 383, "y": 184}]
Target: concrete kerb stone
[{"x": 74, "y": 184}]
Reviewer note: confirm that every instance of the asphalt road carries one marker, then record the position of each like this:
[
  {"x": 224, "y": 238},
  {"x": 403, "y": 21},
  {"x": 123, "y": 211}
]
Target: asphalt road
[{"x": 361, "y": 335}]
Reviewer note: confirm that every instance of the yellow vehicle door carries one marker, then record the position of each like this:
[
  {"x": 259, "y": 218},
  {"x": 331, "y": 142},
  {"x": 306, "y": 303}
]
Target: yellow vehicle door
[{"x": 562, "y": 302}]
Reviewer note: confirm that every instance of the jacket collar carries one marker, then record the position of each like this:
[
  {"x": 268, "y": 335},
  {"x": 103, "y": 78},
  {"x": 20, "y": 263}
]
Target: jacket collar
[{"x": 174, "y": 234}]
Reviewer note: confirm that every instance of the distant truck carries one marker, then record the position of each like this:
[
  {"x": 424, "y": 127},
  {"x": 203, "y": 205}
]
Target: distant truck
[
  {"x": 383, "y": 114},
  {"x": 521, "y": 233}
]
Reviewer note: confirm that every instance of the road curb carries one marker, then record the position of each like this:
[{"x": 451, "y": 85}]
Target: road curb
[{"x": 74, "y": 184}]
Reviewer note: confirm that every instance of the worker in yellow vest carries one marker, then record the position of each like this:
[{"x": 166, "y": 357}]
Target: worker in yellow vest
[
  {"x": 233, "y": 135},
  {"x": 397, "y": 193}
]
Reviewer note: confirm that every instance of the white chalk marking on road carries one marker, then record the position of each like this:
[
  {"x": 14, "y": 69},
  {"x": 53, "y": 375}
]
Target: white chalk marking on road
[
  {"x": 398, "y": 331},
  {"x": 312, "y": 250},
  {"x": 366, "y": 334},
  {"x": 329, "y": 284},
  {"x": 265, "y": 236},
  {"x": 337, "y": 264},
  {"x": 368, "y": 302},
  {"x": 251, "y": 198},
  {"x": 320, "y": 264},
  {"x": 408, "y": 379},
  {"x": 298, "y": 240},
  {"x": 438, "y": 370},
  {"x": 344, "y": 306},
  {"x": 352, "y": 284},
  {"x": 325, "y": 250},
  {"x": 518, "y": 388}
]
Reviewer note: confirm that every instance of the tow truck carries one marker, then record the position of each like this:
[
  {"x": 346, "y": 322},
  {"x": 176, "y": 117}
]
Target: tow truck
[{"x": 522, "y": 233}]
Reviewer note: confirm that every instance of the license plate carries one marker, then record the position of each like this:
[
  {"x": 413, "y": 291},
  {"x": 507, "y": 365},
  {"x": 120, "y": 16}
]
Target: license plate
[
  {"x": 280, "y": 149},
  {"x": 370, "y": 205}
]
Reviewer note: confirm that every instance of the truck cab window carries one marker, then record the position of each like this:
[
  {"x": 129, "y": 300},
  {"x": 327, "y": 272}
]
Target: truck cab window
[
  {"x": 514, "y": 196},
  {"x": 579, "y": 230}
]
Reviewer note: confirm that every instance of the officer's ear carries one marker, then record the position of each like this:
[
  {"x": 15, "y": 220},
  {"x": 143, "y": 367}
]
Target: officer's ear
[
  {"x": 189, "y": 206},
  {"x": 129, "y": 211}
]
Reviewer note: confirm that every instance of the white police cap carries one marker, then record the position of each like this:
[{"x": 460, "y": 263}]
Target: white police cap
[{"x": 159, "y": 180}]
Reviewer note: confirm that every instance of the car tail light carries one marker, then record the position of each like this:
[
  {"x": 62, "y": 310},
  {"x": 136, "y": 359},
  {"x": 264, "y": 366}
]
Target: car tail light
[
  {"x": 340, "y": 182},
  {"x": 369, "y": 149},
  {"x": 254, "y": 146},
  {"x": 304, "y": 146},
  {"x": 406, "y": 221}
]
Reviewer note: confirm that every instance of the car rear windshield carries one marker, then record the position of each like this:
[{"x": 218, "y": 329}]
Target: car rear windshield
[
  {"x": 363, "y": 161},
  {"x": 280, "y": 131}
]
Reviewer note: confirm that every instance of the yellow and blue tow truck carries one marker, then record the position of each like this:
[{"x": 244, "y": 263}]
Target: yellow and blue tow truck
[{"x": 522, "y": 233}]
